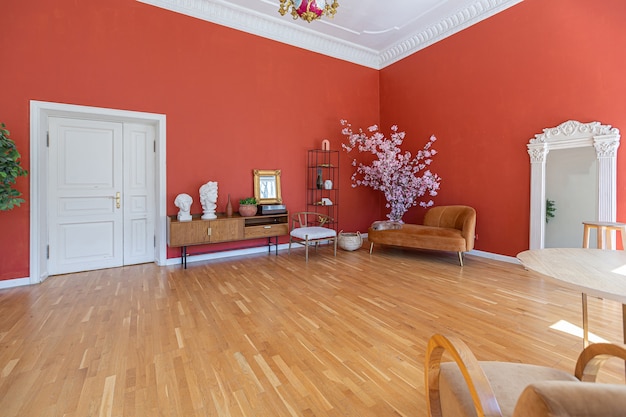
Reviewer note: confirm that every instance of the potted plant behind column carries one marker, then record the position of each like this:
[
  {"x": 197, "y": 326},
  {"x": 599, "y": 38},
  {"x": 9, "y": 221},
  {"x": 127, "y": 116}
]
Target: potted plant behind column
[
  {"x": 10, "y": 169},
  {"x": 247, "y": 207}
]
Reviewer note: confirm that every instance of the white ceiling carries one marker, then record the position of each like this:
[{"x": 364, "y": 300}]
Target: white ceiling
[{"x": 372, "y": 33}]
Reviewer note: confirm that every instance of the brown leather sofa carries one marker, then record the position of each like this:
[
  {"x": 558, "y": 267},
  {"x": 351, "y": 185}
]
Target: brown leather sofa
[{"x": 445, "y": 228}]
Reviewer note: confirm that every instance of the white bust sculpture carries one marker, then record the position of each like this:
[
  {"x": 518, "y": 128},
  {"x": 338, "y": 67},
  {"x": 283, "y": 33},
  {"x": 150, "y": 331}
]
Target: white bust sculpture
[
  {"x": 183, "y": 202},
  {"x": 208, "y": 199}
]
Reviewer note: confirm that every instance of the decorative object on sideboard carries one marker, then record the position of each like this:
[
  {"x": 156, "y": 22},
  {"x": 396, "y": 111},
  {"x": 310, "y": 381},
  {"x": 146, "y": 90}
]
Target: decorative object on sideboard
[
  {"x": 328, "y": 185},
  {"x": 350, "y": 241},
  {"x": 403, "y": 178},
  {"x": 267, "y": 186},
  {"x": 247, "y": 207},
  {"x": 229, "y": 208},
  {"x": 325, "y": 145},
  {"x": 10, "y": 169},
  {"x": 308, "y": 10},
  {"x": 183, "y": 202},
  {"x": 208, "y": 199},
  {"x": 271, "y": 209}
]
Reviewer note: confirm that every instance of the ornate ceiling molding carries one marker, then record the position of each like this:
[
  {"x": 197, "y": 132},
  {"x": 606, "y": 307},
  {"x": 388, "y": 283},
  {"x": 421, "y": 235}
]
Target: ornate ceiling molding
[
  {"x": 462, "y": 19},
  {"x": 281, "y": 30}
]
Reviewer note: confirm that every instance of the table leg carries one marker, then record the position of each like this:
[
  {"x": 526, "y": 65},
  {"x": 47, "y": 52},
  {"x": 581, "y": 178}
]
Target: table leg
[
  {"x": 585, "y": 236},
  {"x": 585, "y": 323},
  {"x": 624, "y": 321},
  {"x": 608, "y": 236},
  {"x": 624, "y": 328},
  {"x": 600, "y": 237}
]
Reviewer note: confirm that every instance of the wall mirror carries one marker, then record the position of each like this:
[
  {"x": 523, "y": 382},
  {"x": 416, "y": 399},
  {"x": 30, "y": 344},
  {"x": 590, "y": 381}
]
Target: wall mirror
[
  {"x": 267, "y": 186},
  {"x": 604, "y": 139}
]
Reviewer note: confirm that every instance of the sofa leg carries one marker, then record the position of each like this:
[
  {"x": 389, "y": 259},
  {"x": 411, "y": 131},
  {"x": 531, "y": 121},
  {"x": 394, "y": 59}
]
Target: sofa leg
[
  {"x": 371, "y": 247},
  {"x": 461, "y": 258}
]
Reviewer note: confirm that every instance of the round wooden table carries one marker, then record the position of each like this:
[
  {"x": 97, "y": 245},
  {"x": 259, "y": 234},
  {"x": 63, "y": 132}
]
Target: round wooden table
[{"x": 595, "y": 272}]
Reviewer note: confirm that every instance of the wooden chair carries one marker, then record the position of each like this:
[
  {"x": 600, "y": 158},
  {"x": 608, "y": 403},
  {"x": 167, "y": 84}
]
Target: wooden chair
[
  {"x": 467, "y": 387},
  {"x": 604, "y": 233},
  {"x": 308, "y": 228}
]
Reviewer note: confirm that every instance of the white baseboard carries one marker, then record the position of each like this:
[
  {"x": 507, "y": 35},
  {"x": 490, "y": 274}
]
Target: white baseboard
[
  {"x": 494, "y": 256},
  {"x": 16, "y": 282}
]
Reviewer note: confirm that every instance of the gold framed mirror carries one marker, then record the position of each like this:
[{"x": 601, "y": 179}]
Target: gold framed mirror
[{"x": 267, "y": 186}]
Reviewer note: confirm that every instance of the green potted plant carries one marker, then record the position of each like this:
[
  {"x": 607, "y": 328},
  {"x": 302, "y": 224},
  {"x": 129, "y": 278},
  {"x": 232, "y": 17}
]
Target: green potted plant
[
  {"x": 247, "y": 206},
  {"x": 10, "y": 169}
]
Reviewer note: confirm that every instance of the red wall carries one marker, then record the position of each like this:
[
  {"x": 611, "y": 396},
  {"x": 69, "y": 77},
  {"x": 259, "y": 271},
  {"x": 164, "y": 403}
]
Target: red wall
[
  {"x": 487, "y": 90},
  {"x": 234, "y": 102}
]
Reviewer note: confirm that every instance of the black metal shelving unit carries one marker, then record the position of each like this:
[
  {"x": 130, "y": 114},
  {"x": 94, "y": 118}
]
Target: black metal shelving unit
[{"x": 322, "y": 167}]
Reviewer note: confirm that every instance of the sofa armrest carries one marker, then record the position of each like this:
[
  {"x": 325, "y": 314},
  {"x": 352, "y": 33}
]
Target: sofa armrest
[{"x": 462, "y": 218}]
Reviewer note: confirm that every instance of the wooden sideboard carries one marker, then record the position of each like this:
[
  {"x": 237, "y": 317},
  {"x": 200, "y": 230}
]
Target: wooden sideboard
[{"x": 225, "y": 229}]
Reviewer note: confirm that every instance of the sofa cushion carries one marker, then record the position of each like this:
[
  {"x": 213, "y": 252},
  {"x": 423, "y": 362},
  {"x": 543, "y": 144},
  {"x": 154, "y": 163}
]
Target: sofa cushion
[{"x": 420, "y": 237}]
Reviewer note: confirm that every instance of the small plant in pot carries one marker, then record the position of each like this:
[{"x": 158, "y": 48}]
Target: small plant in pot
[{"x": 247, "y": 207}]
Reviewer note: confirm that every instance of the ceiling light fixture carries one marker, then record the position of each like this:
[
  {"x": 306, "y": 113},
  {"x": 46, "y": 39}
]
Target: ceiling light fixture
[{"x": 308, "y": 10}]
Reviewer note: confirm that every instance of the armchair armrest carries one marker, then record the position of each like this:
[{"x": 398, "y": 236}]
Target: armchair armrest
[
  {"x": 482, "y": 394},
  {"x": 593, "y": 357}
]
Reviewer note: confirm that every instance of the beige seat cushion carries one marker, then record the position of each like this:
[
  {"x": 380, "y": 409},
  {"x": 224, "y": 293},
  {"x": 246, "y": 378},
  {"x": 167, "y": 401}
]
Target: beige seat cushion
[
  {"x": 572, "y": 399},
  {"x": 313, "y": 232},
  {"x": 508, "y": 380}
]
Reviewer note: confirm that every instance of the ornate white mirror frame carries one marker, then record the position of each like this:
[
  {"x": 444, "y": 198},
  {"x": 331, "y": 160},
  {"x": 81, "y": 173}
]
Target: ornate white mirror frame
[{"x": 572, "y": 134}]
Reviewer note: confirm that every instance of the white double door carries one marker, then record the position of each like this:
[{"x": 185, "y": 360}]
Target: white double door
[{"x": 101, "y": 200}]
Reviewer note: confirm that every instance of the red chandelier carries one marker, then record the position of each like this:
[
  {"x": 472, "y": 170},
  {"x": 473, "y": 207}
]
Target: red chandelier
[{"x": 308, "y": 10}]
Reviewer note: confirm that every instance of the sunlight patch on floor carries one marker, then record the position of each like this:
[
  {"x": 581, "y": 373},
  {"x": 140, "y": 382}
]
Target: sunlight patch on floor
[{"x": 569, "y": 328}]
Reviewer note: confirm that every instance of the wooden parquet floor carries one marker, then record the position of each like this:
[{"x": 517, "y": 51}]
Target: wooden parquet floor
[{"x": 273, "y": 336}]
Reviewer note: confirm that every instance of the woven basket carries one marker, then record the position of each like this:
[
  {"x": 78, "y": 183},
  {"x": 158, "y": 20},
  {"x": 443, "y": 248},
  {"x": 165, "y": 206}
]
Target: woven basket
[{"x": 350, "y": 241}]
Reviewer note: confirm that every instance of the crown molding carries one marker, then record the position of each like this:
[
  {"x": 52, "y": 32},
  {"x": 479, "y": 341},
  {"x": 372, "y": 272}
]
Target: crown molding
[
  {"x": 461, "y": 19},
  {"x": 281, "y": 30}
]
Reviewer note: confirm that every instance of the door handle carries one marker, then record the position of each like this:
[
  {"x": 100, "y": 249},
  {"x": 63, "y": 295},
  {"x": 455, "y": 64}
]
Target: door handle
[{"x": 118, "y": 200}]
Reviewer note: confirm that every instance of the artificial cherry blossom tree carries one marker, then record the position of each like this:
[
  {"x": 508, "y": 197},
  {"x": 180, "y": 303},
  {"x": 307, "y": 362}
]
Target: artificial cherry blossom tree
[{"x": 403, "y": 178}]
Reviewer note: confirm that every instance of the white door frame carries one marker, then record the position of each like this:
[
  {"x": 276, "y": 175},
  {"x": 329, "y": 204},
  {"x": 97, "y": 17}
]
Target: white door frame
[{"x": 39, "y": 113}]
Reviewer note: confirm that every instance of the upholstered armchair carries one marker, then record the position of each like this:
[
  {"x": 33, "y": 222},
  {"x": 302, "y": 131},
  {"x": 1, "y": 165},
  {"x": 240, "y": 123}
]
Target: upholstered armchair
[
  {"x": 467, "y": 387},
  {"x": 309, "y": 228}
]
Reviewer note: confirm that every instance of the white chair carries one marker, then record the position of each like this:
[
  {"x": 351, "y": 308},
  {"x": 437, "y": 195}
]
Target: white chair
[{"x": 308, "y": 228}]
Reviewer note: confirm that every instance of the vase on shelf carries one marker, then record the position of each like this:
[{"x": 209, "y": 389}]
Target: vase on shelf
[
  {"x": 320, "y": 180},
  {"x": 229, "y": 208}
]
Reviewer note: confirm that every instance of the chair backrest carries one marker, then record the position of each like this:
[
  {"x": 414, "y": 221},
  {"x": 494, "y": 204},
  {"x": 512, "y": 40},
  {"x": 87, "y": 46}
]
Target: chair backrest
[
  {"x": 309, "y": 218},
  {"x": 462, "y": 218}
]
